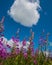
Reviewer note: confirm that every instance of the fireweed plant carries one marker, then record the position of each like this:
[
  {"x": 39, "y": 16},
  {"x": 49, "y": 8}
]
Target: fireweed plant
[{"x": 23, "y": 53}]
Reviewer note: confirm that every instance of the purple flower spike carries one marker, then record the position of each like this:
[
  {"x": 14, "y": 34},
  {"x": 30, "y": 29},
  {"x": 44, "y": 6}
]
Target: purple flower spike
[
  {"x": 8, "y": 46},
  {"x": 24, "y": 42},
  {"x": 35, "y": 62},
  {"x": 1, "y": 39},
  {"x": 25, "y": 55},
  {"x": 15, "y": 40},
  {"x": 17, "y": 51}
]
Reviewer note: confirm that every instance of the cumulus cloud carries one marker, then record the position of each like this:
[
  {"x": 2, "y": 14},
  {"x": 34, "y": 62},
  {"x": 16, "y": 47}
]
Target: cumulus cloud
[{"x": 25, "y": 12}]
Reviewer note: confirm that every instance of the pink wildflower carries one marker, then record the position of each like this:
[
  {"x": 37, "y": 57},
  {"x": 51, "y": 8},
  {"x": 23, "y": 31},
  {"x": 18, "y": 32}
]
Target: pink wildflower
[
  {"x": 24, "y": 42},
  {"x": 35, "y": 61},
  {"x": 25, "y": 55}
]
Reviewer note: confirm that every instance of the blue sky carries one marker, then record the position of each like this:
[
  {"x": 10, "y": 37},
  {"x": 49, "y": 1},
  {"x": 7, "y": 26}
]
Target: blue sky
[{"x": 45, "y": 21}]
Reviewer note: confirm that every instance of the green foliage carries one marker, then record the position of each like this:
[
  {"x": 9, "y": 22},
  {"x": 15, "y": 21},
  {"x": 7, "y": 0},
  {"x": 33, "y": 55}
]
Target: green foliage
[{"x": 29, "y": 60}]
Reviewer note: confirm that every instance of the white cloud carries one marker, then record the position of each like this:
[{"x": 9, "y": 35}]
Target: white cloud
[
  {"x": 25, "y": 12},
  {"x": 47, "y": 53}
]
